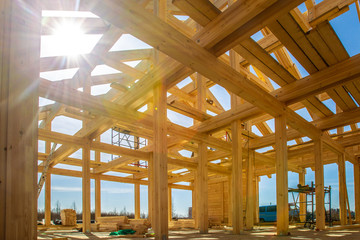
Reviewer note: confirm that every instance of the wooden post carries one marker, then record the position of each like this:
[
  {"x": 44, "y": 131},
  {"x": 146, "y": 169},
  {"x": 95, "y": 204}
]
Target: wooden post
[
  {"x": 48, "y": 198},
  {"x": 319, "y": 185},
  {"x": 357, "y": 190},
  {"x": 256, "y": 203},
  {"x": 202, "y": 189},
  {"x": 230, "y": 201},
  {"x": 281, "y": 176},
  {"x": 48, "y": 184},
  {"x": 250, "y": 197},
  {"x": 97, "y": 187},
  {"x": 342, "y": 189},
  {"x": 169, "y": 204},
  {"x": 302, "y": 197},
  {"x": 86, "y": 211},
  {"x": 236, "y": 178},
  {"x": 159, "y": 212},
  {"x": 137, "y": 200},
  {"x": 150, "y": 189},
  {"x": 20, "y": 23},
  {"x": 193, "y": 206},
  {"x": 159, "y": 166}
]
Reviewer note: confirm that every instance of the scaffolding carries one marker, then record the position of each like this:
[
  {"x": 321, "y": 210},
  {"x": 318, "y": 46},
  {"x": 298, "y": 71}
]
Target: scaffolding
[
  {"x": 123, "y": 138},
  {"x": 309, "y": 203}
]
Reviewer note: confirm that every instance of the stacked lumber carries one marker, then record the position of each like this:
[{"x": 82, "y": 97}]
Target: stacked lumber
[
  {"x": 110, "y": 224},
  {"x": 181, "y": 223},
  {"x": 140, "y": 226},
  {"x": 68, "y": 217}
]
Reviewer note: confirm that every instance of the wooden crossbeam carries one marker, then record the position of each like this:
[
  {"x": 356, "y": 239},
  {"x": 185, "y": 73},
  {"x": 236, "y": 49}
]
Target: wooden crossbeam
[{"x": 296, "y": 91}]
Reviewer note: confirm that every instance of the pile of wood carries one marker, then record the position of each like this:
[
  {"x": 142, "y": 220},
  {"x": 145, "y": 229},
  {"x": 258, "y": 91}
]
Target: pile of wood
[
  {"x": 140, "y": 226},
  {"x": 181, "y": 223},
  {"x": 111, "y": 224},
  {"x": 68, "y": 217}
]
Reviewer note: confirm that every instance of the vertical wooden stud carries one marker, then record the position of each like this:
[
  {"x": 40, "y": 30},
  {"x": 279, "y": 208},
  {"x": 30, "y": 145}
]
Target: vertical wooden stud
[
  {"x": 48, "y": 184},
  {"x": 97, "y": 187},
  {"x": 342, "y": 189},
  {"x": 236, "y": 178},
  {"x": 319, "y": 185},
  {"x": 302, "y": 197},
  {"x": 357, "y": 190},
  {"x": 281, "y": 176},
  {"x": 202, "y": 189},
  {"x": 159, "y": 166},
  {"x": 137, "y": 200},
  {"x": 170, "y": 204},
  {"x": 86, "y": 211},
  {"x": 250, "y": 197}
]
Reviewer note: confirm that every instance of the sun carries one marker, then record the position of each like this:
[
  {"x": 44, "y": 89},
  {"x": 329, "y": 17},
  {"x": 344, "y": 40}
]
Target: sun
[{"x": 69, "y": 38}]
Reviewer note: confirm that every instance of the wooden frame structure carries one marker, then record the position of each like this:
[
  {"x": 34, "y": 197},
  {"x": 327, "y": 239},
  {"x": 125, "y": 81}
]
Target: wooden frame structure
[{"x": 212, "y": 46}]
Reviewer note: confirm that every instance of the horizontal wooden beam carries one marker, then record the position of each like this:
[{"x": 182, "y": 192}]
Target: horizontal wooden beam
[
  {"x": 74, "y": 173},
  {"x": 337, "y": 120}
]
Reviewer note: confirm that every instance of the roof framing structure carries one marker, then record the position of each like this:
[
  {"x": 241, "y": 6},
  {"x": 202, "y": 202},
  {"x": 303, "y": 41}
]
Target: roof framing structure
[{"x": 208, "y": 43}]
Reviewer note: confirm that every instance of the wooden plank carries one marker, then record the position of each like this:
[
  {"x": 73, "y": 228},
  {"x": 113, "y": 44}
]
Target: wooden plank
[
  {"x": 296, "y": 33},
  {"x": 201, "y": 186},
  {"x": 319, "y": 185},
  {"x": 281, "y": 176},
  {"x": 202, "y": 10},
  {"x": 277, "y": 29},
  {"x": 236, "y": 178},
  {"x": 342, "y": 189},
  {"x": 73, "y": 173},
  {"x": 19, "y": 46},
  {"x": 267, "y": 16},
  {"x": 327, "y": 10}
]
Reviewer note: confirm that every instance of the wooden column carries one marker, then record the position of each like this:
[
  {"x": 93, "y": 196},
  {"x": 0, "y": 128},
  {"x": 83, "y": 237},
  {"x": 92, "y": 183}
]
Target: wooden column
[
  {"x": 250, "y": 196},
  {"x": 202, "y": 189},
  {"x": 159, "y": 166},
  {"x": 86, "y": 211},
  {"x": 150, "y": 189},
  {"x": 236, "y": 178},
  {"x": 159, "y": 212},
  {"x": 256, "y": 203},
  {"x": 357, "y": 190},
  {"x": 169, "y": 204},
  {"x": 230, "y": 201},
  {"x": 193, "y": 206},
  {"x": 302, "y": 197},
  {"x": 137, "y": 200},
  {"x": 48, "y": 198},
  {"x": 97, "y": 187},
  {"x": 20, "y": 23},
  {"x": 319, "y": 185},
  {"x": 48, "y": 184},
  {"x": 281, "y": 176},
  {"x": 342, "y": 189}
]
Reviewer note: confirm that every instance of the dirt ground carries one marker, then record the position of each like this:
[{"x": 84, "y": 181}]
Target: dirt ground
[{"x": 264, "y": 232}]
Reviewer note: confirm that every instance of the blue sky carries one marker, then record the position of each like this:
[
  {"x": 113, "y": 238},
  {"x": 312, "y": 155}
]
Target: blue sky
[{"x": 119, "y": 195}]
